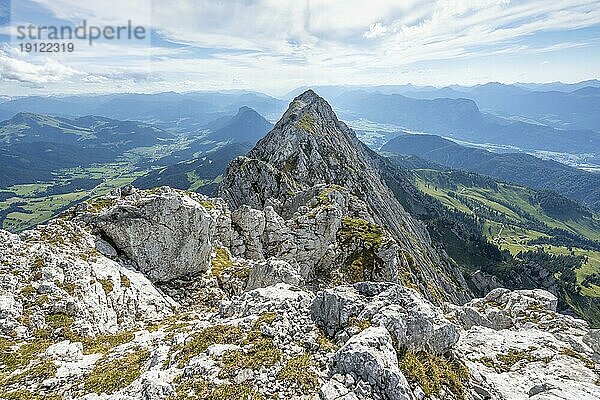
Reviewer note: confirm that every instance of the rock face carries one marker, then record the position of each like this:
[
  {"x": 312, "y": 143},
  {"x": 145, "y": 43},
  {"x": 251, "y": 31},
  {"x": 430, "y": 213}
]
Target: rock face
[
  {"x": 304, "y": 290},
  {"x": 411, "y": 320},
  {"x": 54, "y": 278},
  {"x": 166, "y": 234}
]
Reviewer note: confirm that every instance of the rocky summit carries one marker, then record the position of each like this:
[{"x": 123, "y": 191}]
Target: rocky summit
[{"x": 303, "y": 278}]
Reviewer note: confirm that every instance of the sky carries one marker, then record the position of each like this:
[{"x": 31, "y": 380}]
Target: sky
[{"x": 274, "y": 46}]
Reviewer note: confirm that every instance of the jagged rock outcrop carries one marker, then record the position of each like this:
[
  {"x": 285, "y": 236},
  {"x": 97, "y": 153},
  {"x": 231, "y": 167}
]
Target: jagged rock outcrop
[
  {"x": 412, "y": 321},
  {"x": 54, "y": 279},
  {"x": 310, "y": 146},
  {"x": 84, "y": 325},
  {"x": 166, "y": 234}
]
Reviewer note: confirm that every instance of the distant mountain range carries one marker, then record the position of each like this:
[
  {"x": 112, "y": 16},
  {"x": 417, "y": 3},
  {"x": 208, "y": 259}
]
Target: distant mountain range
[
  {"x": 83, "y": 131},
  {"x": 184, "y": 113},
  {"x": 519, "y": 168},
  {"x": 240, "y": 132},
  {"x": 462, "y": 119},
  {"x": 33, "y": 146},
  {"x": 575, "y": 109}
]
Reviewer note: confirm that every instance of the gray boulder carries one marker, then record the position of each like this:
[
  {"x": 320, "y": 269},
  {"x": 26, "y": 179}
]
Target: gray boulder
[
  {"x": 166, "y": 233},
  {"x": 270, "y": 272},
  {"x": 371, "y": 356}
]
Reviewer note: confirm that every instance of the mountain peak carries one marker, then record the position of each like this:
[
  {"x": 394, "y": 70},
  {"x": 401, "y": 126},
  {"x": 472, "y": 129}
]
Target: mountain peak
[
  {"x": 308, "y": 96},
  {"x": 310, "y": 113},
  {"x": 245, "y": 109},
  {"x": 307, "y": 99},
  {"x": 247, "y": 126}
]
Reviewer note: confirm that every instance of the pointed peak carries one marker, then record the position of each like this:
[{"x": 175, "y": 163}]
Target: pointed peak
[
  {"x": 245, "y": 109},
  {"x": 308, "y": 96},
  {"x": 307, "y": 102}
]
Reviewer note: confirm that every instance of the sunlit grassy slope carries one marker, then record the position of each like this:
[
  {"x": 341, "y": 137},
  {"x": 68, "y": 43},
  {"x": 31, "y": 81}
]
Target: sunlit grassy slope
[{"x": 512, "y": 218}]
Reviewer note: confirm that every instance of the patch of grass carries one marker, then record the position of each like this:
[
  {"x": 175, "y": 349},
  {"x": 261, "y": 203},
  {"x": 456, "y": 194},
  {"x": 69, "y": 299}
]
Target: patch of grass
[
  {"x": 103, "y": 343},
  {"x": 234, "y": 392},
  {"x": 217, "y": 334},
  {"x": 108, "y": 376},
  {"x": 504, "y": 362},
  {"x": 207, "y": 204},
  {"x": 589, "y": 363},
  {"x": 59, "y": 320},
  {"x": 190, "y": 389},
  {"x": 432, "y": 373},
  {"x": 220, "y": 262},
  {"x": 364, "y": 231},
  {"x": 261, "y": 352},
  {"x": 22, "y": 394},
  {"x": 125, "y": 282},
  {"x": 38, "y": 372},
  {"x": 325, "y": 344},
  {"x": 14, "y": 356},
  {"x": 69, "y": 288},
  {"x": 89, "y": 255},
  {"x": 100, "y": 204},
  {"x": 361, "y": 266},
  {"x": 300, "y": 370},
  {"x": 306, "y": 122},
  {"x": 363, "y": 263},
  {"x": 265, "y": 318},
  {"x": 107, "y": 285},
  {"x": 28, "y": 290}
]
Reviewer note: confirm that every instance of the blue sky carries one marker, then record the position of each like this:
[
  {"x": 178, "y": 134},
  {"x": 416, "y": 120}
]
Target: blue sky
[{"x": 276, "y": 45}]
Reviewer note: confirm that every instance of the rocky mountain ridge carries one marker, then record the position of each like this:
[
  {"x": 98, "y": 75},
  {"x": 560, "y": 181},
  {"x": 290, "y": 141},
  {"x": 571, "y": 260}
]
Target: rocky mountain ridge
[
  {"x": 291, "y": 286},
  {"x": 310, "y": 146}
]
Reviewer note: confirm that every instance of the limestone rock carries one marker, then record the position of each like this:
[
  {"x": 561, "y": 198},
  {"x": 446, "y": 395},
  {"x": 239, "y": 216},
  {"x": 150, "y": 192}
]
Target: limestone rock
[
  {"x": 413, "y": 322},
  {"x": 371, "y": 356},
  {"x": 270, "y": 272},
  {"x": 167, "y": 234}
]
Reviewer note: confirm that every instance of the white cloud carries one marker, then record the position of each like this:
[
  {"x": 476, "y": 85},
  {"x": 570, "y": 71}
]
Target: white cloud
[
  {"x": 13, "y": 69},
  {"x": 375, "y": 31},
  {"x": 277, "y": 42}
]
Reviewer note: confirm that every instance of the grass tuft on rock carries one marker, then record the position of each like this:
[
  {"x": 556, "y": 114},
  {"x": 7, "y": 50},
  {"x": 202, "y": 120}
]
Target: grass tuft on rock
[
  {"x": 307, "y": 122},
  {"x": 22, "y": 394},
  {"x": 98, "y": 205},
  {"x": 260, "y": 350},
  {"x": 104, "y": 343},
  {"x": 14, "y": 356},
  {"x": 432, "y": 373},
  {"x": 40, "y": 371},
  {"x": 108, "y": 376},
  {"x": 234, "y": 392},
  {"x": 220, "y": 262},
  {"x": 218, "y": 334},
  {"x": 358, "y": 229},
  {"x": 299, "y": 370}
]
